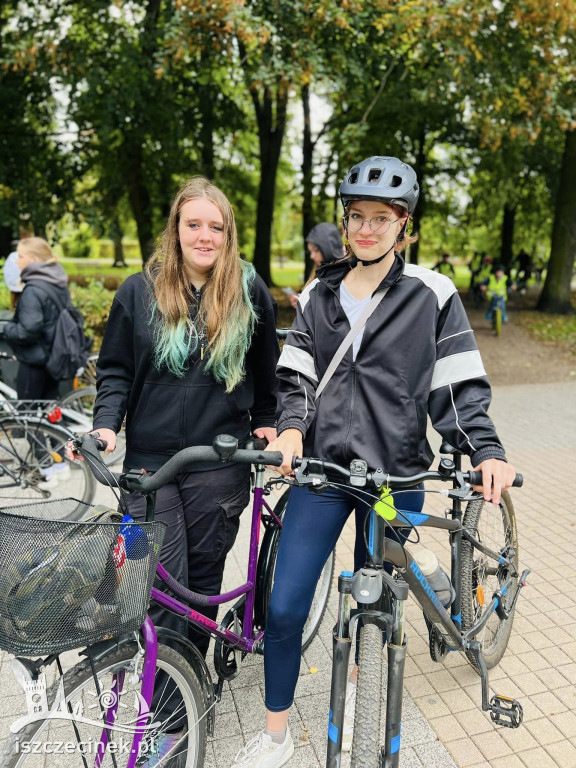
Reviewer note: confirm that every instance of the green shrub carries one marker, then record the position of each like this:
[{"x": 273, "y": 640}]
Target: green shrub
[
  {"x": 81, "y": 245},
  {"x": 94, "y": 302}
]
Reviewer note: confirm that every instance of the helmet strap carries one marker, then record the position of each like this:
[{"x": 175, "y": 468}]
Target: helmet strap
[{"x": 374, "y": 261}]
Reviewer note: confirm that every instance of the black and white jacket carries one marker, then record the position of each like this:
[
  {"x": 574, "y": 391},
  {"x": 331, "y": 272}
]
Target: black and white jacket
[{"x": 418, "y": 356}]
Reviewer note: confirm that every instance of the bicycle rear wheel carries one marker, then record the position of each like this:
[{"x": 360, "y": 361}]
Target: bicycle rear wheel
[
  {"x": 265, "y": 578},
  {"x": 28, "y": 446},
  {"x": 495, "y": 527},
  {"x": 180, "y": 699},
  {"x": 366, "y": 737}
]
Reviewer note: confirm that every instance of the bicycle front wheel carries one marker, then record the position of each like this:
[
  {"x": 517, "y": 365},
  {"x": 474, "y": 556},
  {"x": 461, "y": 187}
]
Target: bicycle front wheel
[
  {"x": 366, "y": 737},
  {"x": 115, "y": 688},
  {"x": 495, "y": 527},
  {"x": 27, "y": 447},
  {"x": 498, "y": 321}
]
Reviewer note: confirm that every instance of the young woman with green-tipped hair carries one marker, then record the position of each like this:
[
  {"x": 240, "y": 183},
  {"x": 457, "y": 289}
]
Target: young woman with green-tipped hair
[{"x": 190, "y": 352}]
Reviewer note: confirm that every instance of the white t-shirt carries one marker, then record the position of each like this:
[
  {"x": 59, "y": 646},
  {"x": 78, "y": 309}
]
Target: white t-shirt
[{"x": 353, "y": 309}]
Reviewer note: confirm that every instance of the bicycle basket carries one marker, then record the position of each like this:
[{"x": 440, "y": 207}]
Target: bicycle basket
[{"x": 67, "y": 584}]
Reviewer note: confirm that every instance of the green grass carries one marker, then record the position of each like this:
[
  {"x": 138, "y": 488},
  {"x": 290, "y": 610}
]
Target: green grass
[{"x": 556, "y": 329}]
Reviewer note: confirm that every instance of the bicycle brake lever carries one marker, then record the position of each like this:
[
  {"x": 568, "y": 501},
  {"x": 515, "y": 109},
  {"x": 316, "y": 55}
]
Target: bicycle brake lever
[{"x": 310, "y": 474}]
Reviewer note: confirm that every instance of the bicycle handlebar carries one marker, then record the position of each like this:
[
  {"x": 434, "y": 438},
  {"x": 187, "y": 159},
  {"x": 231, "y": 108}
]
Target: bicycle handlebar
[
  {"x": 188, "y": 457},
  {"x": 317, "y": 468}
]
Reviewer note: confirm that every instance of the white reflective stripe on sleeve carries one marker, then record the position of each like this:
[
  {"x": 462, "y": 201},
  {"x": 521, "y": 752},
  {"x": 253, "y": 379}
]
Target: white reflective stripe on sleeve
[
  {"x": 305, "y": 295},
  {"x": 455, "y": 368},
  {"x": 298, "y": 360}
]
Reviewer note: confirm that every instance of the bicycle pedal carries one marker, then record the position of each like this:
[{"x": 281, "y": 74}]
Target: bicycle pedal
[{"x": 506, "y": 712}]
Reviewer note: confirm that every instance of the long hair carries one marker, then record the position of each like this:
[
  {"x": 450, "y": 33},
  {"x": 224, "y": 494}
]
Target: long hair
[{"x": 226, "y": 315}]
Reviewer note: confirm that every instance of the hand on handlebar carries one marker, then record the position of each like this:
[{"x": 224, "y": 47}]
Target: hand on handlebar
[
  {"x": 266, "y": 433},
  {"x": 106, "y": 435},
  {"x": 497, "y": 476},
  {"x": 290, "y": 444}
]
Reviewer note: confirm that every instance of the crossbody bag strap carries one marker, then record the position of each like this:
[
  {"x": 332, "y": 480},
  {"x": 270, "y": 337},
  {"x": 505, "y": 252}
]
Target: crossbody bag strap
[{"x": 349, "y": 339}]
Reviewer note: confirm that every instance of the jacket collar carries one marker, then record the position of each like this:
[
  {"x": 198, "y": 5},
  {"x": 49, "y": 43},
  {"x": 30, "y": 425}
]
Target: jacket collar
[{"x": 332, "y": 274}]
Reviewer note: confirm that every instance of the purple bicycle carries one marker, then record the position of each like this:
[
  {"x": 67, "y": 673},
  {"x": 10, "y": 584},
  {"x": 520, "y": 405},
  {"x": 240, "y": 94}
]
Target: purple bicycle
[{"x": 139, "y": 687}]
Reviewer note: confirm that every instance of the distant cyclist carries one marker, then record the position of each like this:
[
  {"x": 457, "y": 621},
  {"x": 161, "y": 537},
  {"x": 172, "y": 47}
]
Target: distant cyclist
[
  {"x": 444, "y": 266},
  {"x": 496, "y": 287},
  {"x": 415, "y": 356}
]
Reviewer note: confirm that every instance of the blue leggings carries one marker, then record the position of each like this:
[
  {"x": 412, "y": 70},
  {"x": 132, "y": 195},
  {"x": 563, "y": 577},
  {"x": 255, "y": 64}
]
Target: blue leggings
[{"x": 312, "y": 524}]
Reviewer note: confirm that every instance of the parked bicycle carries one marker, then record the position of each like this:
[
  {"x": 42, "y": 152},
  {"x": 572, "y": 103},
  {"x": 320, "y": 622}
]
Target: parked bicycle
[
  {"x": 484, "y": 576},
  {"x": 92, "y": 703},
  {"x": 32, "y": 440}
]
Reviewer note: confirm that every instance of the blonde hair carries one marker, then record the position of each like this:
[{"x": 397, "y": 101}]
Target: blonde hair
[
  {"x": 38, "y": 248},
  {"x": 226, "y": 313}
]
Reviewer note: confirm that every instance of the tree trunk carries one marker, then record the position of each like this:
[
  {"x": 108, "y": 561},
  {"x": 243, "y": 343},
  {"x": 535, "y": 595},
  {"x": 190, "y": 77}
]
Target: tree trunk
[
  {"x": 115, "y": 233},
  {"x": 506, "y": 253},
  {"x": 140, "y": 203},
  {"x": 271, "y": 119},
  {"x": 419, "y": 212},
  {"x": 6, "y": 237},
  {"x": 555, "y": 296},
  {"x": 206, "y": 101},
  {"x": 307, "y": 158}
]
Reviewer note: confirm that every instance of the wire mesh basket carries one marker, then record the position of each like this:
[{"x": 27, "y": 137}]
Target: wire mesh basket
[{"x": 66, "y": 584}]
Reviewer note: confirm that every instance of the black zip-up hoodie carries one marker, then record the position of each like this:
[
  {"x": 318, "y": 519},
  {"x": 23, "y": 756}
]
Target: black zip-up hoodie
[
  {"x": 31, "y": 333},
  {"x": 418, "y": 356},
  {"x": 164, "y": 412}
]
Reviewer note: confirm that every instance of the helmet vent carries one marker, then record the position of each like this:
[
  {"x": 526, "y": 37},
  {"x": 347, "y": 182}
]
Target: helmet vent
[
  {"x": 374, "y": 174},
  {"x": 353, "y": 178},
  {"x": 396, "y": 181}
]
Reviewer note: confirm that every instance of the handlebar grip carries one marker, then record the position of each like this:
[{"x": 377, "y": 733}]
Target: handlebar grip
[
  {"x": 475, "y": 478},
  {"x": 186, "y": 459}
]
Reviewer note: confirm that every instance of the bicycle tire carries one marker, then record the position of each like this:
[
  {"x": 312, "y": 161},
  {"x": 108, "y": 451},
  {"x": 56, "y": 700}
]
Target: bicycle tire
[
  {"x": 265, "y": 578},
  {"x": 498, "y": 321},
  {"x": 366, "y": 736},
  {"x": 494, "y": 526},
  {"x": 79, "y": 688},
  {"x": 18, "y": 440}
]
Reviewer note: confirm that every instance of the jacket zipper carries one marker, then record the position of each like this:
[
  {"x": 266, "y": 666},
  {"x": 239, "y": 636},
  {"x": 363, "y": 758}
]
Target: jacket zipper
[{"x": 352, "y": 403}]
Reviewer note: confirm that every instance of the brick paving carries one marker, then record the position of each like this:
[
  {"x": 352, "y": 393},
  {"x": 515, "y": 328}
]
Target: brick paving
[{"x": 443, "y": 724}]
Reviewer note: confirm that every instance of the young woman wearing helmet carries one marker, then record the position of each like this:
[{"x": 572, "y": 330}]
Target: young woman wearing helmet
[{"x": 415, "y": 356}]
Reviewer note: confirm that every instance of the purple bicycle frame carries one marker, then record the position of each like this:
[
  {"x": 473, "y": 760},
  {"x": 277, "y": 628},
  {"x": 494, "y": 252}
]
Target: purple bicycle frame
[{"x": 244, "y": 642}]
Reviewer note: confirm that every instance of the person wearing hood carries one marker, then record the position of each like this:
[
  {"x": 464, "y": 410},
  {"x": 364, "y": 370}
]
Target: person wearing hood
[
  {"x": 324, "y": 244},
  {"x": 31, "y": 332}
]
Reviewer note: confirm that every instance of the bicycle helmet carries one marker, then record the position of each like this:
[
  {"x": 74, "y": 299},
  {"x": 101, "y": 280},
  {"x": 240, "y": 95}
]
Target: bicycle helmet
[{"x": 381, "y": 178}]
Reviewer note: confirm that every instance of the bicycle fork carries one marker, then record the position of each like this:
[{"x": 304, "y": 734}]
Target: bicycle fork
[{"x": 396, "y": 649}]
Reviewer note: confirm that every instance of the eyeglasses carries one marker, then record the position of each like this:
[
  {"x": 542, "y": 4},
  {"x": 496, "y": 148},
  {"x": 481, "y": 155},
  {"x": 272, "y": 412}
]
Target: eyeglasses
[{"x": 353, "y": 222}]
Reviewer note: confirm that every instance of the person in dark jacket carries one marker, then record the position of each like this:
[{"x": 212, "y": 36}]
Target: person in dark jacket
[
  {"x": 31, "y": 333},
  {"x": 415, "y": 356},
  {"x": 190, "y": 352},
  {"x": 324, "y": 243}
]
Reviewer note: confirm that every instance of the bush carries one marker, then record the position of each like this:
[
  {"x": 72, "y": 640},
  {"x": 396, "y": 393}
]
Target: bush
[
  {"x": 94, "y": 302},
  {"x": 82, "y": 244}
]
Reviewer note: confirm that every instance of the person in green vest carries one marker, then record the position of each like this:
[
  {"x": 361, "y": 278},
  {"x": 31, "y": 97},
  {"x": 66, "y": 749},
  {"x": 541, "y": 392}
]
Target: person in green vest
[
  {"x": 445, "y": 267},
  {"x": 497, "y": 286}
]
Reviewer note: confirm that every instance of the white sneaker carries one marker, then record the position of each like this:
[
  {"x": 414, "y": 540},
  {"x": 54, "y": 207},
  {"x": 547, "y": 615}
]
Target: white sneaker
[
  {"x": 349, "y": 711},
  {"x": 262, "y": 752},
  {"x": 49, "y": 479},
  {"x": 61, "y": 470}
]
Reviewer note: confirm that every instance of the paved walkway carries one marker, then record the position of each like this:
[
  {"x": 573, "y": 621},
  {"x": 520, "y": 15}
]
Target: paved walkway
[{"x": 443, "y": 725}]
